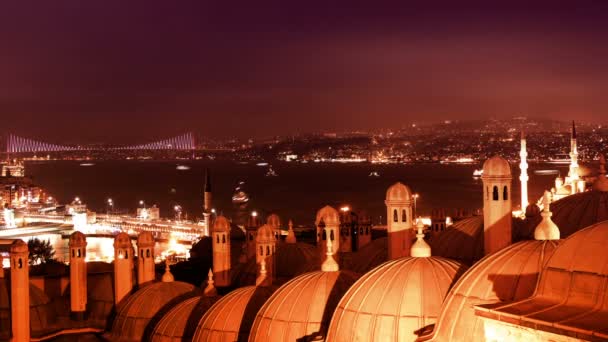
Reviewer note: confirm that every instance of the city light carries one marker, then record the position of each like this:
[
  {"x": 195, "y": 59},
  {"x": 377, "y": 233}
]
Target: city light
[
  {"x": 254, "y": 213},
  {"x": 345, "y": 208}
]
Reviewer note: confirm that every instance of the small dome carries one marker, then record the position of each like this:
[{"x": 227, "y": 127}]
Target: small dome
[
  {"x": 131, "y": 322},
  {"x": 265, "y": 234},
  {"x": 122, "y": 240},
  {"x": 179, "y": 323},
  {"x": 394, "y": 301},
  {"x": 507, "y": 275},
  {"x": 18, "y": 246},
  {"x": 42, "y": 314},
  {"x": 463, "y": 241},
  {"x": 274, "y": 221},
  {"x": 145, "y": 239},
  {"x": 575, "y": 212},
  {"x": 231, "y": 318},
  {"x": 302, "y": 308},
  {"x": 329, "y": 215},
  {"x": 221, "y": 224},
  {"x": 398, "y": 192},
  {"x": 78, "y": 239},
  {"x": 370, "y": 256},
  {"x": 496, "y": 167}
]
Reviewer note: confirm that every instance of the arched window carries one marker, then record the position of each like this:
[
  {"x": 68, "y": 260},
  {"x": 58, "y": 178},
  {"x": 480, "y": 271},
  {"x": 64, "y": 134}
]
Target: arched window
[
  {"x": 223, "y": 238},
  {"x": 495, "y": 193},
  {"x": 148, "y": 253},
  {"x": 403, "y": 215},
  {"x": 261, "y": 250},
  {"x": 324, "y": 235},
  {"x": 20, "y": 263},
  {"x": 395, "y": 218},
  {"x": 505, "y": 193},
  {"x": 78, "y": 252},
  {"x": 217, "y": 239},
  {"x": 73, "y": 253},
  {"x": 366, "y": 230},
  {"x": 267, "y": 250},
  {"x": 141, "y": 253},
  {"x": 126, "y": 255},
  {"x": 331, "y": 235},
  {"x": 250, "y": 236},
  {"x": 487, "y": 193}
]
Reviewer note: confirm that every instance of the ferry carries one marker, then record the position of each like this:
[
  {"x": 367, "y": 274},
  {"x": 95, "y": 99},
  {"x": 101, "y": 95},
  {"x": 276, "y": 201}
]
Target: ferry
[
  {"x": 182, "y": 167},
  {"x": 562, "y": 158},
  {"x": 86, "y": 164},
  {"x": 546, "y": 172},
  {"x": 478, "y": 173},
  {"x": 374, "y": 174}
]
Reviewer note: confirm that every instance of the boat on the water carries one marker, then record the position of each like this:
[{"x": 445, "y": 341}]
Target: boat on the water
[
  {"x": 86, "y": 164},
  {"x": 561, "y": 158},
  {"x": 374, "y": 174},
  {"x": 546, "y": 172},
  {"x": 270, "y": 172},
  {"x": 478, "y": 173},
  {"x": 240, "y": 196},
  {"x": 182, "y": 167}
]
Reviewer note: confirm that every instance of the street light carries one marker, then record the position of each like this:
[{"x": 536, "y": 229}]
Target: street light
[
  {"x": 415, "y": 196},
  {"x": 345, "y": 209}
]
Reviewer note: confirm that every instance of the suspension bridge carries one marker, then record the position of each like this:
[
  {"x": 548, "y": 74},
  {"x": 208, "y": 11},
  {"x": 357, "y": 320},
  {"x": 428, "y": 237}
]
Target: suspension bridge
[{"x": 17, "y": 144}]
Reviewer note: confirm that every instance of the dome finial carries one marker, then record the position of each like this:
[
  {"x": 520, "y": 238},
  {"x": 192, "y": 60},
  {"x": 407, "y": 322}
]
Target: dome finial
[
  {"x": 167, "y": 277},
  {"x": 210, "y": 290},
  {"x": 330, "y": 264},
  {"x": 546, "y": 229},
  {"x": 291, "y": 235},
  {"x": 420, "y": 249},
  {"x": 263, "y": 277},
  {"x": 601, "y": 183}
]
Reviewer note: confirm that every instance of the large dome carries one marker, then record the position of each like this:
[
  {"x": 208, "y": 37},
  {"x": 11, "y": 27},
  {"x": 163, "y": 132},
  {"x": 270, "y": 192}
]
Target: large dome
[
  {"x": 179, "y": 323},
  {"x": 139, "y": 309},
  {"x": 507, "y": 275},
  {"x": 496, "y": 167},
  {"x": 42, "y": 314},
  {"x": 571, "y": 296},
  {"x": 463, "y": 241},
  {"x": 302, "y": 308},
  {"x": 575, "y": 212},
  {"x": 394, "y": 301},
  {"x": 231, "y": 318}
]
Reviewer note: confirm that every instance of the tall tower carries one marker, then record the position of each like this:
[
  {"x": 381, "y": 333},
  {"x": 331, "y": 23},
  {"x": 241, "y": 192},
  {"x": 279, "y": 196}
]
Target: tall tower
[
  {"x": 221, "y": 251},
  {"x": 145, "y": 258},
  {"x": 20, "y": 291},
  {"x": 274, "y": 221},
  {"x": 123, "y": 267},
  {"x": 328, "y": 227},
  {"x": 78, "y": 275},
  {"x": 266, "y": 249},
  {"x": 496, "y": 204},
  {"x": 399, "y": 220},
  {"x": 207, "y": 204},
  {"x": 523, "y": 175},
  {"x": 573, "y": 171},
  {"x": 251, "y": 231}
]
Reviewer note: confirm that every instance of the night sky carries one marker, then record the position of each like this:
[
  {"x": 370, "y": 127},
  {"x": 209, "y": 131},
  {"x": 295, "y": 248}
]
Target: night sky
[{"x": 127, "y": 71}]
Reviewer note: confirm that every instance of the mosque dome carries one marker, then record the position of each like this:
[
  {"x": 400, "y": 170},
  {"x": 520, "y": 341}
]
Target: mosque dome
[
  {"x": 395, "y": 300},
  {"x": 231, "y": 318},
  {"x": 575, "y": 212},
  {"x": 221, "y": 224},
  {"x": 463, "y": 241},
  {"x": 507, "y": 275},
  {"x": 496, "y": 167},
  {"x": 179, "y": 323},
  {"x": 139, "y": 309},
  {"x": 42, "y": 314},
  {"x": 265, "y": 234},
  {"x": 302, "y": 308},
  {"x": 398, "y": 192},
  {"x": 370, "y": 256}
]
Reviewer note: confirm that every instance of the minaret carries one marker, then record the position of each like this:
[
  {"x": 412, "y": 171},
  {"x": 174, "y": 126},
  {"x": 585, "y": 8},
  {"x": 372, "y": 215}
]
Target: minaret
[
  {"x": 20, "y": 292},
  {"x": 78, "y": 276},
  {"x": 221, "y": 251},
  {"x": 497, "y": 216},
  {"x": 546, "y": 229},
  {"x": 399, "y": 220},
  {"x": 328, "y": 227},
  {"x": 573, "y": 171},
  {"x": 330, "y": 264},
  {"x": 207, "y": 204},
  {"x": 167, "y": 276},
  {"x": 263, "y": 279},
  {"x": 291, "y": 235},
  {"x": 210, "y": 290},
  {"x": 523, "y": 175},
  {"x": 275, "y": 222},
  {"x": 123, "y": 267},
  {"x": 145, "y": 258},
  {"x": 420, "y": 249},
  {"x": 266, "y": 247}
]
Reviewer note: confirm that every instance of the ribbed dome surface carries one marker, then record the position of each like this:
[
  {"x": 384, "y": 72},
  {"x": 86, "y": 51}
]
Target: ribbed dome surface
[
  {"x": 302, "y": 308},
  {"x": 231, "y": 318},
  {"x": 575, "y": 212},
  {"x": 139, "y": 308},
  {"x": 395, "y": 300},
  {"x": 463, "y": 241},
  {"x": 370, "y": 256},
  {"x": 507, "y": 275},
  {"x": 398, "y": 192},
  {"x": 496, "y": 167},
  {"x": 179, "y": 323},
  {"x": 41, "y": 312}
]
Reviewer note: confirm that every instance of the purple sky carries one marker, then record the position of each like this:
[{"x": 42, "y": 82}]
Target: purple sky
[{"x": 124, "y": 71}]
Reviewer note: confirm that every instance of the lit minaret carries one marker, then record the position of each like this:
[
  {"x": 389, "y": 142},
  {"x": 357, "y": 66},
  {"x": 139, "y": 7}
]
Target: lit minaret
[
  {"x": 523, "y": 176},
  {"x": 573, "y": 173},
  {"x": 207, "y": 204}
]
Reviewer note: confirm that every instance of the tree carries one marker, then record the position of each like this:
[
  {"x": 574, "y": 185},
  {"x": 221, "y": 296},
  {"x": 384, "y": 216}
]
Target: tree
[{"x": 41, "y": 251}]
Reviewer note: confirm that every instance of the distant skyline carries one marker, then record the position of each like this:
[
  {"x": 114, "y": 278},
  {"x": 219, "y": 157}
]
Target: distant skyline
[{"x": 73, "y": 71}]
